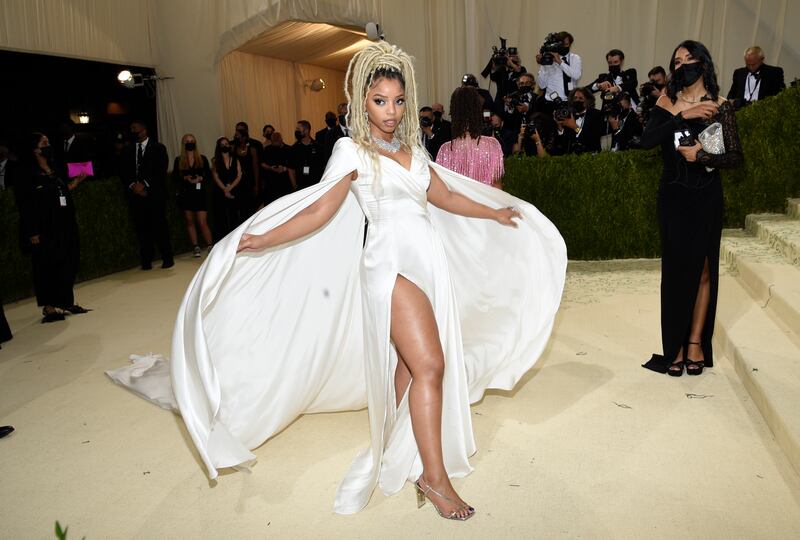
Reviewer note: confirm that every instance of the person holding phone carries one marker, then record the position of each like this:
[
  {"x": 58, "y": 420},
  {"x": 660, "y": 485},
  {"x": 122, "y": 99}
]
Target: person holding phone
[{"x": 191, "y": 175}]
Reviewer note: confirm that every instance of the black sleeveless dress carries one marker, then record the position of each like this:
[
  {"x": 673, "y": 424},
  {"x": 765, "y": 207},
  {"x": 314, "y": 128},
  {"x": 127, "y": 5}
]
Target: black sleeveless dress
[{"x": 690, "y": 215}]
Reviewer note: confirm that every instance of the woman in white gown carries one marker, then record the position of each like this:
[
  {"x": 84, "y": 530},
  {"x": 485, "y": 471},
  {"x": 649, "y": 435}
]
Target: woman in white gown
[{"x": 290, "y": 315}]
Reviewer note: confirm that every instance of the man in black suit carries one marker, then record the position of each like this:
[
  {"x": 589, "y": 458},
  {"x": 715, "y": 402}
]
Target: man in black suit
[
  {"x": 756, "y": 80},
  {"x": 144, "y": 174},
  {"x": 327, "y": 137},
  {"x": 581, "y": 131},
  {"x": 617, "y": 79},
  {"x": 440, "y": 125},
  {"x": 624, "y": 125},
  {"x": 70, "y": 149}
]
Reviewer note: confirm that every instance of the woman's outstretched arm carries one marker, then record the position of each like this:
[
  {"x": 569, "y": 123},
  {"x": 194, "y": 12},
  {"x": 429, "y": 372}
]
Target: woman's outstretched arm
[
  {"x": 305, "y": 222},
  {"x": 439, "y": 195}
]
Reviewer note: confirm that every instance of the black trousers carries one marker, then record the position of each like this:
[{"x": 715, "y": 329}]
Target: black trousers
[
  {"x": 5, "y": 331},
  {"x": 150, "y": 219}
]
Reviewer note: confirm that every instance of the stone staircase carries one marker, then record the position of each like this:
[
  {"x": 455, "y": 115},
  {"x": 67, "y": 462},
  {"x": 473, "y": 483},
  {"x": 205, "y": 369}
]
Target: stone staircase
[{"x": 758, "y": 317}]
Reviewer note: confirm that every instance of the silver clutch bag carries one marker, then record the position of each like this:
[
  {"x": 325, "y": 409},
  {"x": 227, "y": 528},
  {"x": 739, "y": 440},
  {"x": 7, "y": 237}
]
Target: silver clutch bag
[{"x": 711, "y": 139}]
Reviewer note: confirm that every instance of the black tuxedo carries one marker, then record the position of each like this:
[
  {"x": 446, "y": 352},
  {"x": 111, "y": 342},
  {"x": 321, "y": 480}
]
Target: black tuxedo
[
  {"x": 587, "y": 141},
  {"x": 629, "y": 84},
  {"x": 326, "y": 138},
  {"x": 770, "y": 82},
  {"x": 79, "y": 151},
  {"x": 149, "y": 212},
  {"x": 630, "y": 127}
]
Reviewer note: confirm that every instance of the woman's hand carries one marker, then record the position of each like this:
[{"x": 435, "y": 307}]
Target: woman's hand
[
  {"x": 689, "y": 153},
  {"x": 704, "y": 110},
  {"x": 251, "y": 242},
  {"x": 35, "y": 240},
  {"x": 504, "y": 216}
]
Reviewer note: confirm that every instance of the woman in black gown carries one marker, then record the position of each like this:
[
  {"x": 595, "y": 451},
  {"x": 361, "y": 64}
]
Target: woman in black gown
[
  {"x": 48, "y": 222},
  {"x": 690, "y": 207},
  {"x": 227, "y": 174}
]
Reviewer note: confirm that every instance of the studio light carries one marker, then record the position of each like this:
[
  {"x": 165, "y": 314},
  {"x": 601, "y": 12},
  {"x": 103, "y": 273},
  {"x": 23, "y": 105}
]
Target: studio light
[
  {"x": 135, "y": 80},
  {"x": 83, "y": 118},
  {"x": 125, "y": 78}
]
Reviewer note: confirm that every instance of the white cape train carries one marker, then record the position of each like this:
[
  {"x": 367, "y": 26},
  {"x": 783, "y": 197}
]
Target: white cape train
[{"x": 304, "y": 328}]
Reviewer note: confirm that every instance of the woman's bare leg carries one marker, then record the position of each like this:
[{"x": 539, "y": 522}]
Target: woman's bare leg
[
  {"x": 189, "y": 215},
  {"x": 416, "y": 337},
  {"x": 402, "y": 377},
  {"x": 693, "y": 351},
  {"x": 202, "y": 221}
]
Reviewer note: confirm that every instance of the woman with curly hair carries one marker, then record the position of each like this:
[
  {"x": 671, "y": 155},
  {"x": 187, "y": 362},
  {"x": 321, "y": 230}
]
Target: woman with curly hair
[{"x": 468, "y": 152}]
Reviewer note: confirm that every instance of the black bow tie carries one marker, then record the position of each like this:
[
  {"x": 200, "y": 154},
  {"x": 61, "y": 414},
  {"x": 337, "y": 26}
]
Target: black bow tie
[{"x": 579, "y": 115}]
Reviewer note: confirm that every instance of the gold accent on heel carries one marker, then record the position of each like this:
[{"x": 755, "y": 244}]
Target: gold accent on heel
[{"x": 420, "y": 496}]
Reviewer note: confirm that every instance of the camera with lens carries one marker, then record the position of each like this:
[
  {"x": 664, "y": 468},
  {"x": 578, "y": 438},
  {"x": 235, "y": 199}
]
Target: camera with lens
[
  {"x": 562, "y": 109},
  {"x": 553, "y": 43},
  {"x": 500, "y": 56},
  {"x": 518, "y": 97},
  {"x": 424, "y": 121},
  {"x": 611, "y": 104}
]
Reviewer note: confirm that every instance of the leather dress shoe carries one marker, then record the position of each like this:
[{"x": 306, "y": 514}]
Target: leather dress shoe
[
  {"x": 5, "y": 430},
  {"x": 168, "y": 264}
]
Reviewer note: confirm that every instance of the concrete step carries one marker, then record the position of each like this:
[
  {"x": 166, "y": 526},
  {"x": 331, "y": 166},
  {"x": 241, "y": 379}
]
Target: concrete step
[
  {"x": 771, "y": 280},
  {"x": 766, "y": 358},
  {"x": 780, "y": 231},
  {"x": 793, "y": 208}
]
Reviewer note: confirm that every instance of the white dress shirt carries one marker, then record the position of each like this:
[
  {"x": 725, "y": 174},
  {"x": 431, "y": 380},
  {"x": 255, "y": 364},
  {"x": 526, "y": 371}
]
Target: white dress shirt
[
  {"x": 551, "y": 78},
  {"x": 751, "y": 84}
]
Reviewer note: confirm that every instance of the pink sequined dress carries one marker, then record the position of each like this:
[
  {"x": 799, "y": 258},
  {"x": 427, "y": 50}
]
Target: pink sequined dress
[{"x": 480, "y": 159}]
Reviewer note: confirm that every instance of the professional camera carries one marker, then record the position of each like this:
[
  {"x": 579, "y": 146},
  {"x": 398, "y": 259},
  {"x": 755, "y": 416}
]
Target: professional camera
[
  {"x": 500, "y": 56},
  {"x": 519, "y": 97},
  {"x": 605, "y": 77},
  {"x": 611, "y": 104},
  {"x": 424, "y": 121},
  {"x": 553, "y": 43},
  {"x": 562, "y": 110}
]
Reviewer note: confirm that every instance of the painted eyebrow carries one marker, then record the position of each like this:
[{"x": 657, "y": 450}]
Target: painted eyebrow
[{"x": 381, "y": 95}]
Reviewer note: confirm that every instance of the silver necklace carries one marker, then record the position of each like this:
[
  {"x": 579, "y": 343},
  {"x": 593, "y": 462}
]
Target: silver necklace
[{"x": 391, "y": 147}]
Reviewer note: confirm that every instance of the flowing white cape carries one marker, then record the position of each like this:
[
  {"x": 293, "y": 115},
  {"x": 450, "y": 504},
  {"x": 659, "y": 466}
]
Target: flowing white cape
[{"x": 263, "y": 338}]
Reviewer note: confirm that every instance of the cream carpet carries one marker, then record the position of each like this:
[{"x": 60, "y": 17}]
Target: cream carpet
[{"x": 589, "y": 445}]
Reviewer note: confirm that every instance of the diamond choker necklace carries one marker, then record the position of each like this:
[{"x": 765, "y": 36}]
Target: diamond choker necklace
[{"x": 391, "y": 147}]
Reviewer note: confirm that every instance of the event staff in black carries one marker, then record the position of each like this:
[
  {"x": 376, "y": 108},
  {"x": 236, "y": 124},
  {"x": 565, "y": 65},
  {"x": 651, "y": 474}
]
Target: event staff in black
[
  {"x": 144, "y": 176},
  {"x": 617, "y": 79},
  {"x": 328, "y": 136},
  {"x": 276, "y": 168},
  {"x": 47, "y": 221},
  {"x": 625, "y": 126},
  {"x": 191, "y": 176},
  {"x": 756, "y": 80},
  {"x": 306, "y": 156},
  {"x": 227, "y": 174}
]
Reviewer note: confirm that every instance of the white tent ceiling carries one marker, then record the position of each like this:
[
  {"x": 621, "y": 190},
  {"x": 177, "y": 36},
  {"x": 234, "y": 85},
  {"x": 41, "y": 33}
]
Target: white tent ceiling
[{"x": 318, "y": 44}]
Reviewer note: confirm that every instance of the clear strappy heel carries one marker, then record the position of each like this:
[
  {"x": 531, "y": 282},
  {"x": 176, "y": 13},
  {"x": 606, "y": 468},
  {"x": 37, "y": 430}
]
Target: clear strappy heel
[{"x": 422, "y": 494}]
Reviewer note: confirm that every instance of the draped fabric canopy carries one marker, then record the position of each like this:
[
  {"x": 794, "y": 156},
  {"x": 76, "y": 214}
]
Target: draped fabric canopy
[{"x": 189, "y": 40}]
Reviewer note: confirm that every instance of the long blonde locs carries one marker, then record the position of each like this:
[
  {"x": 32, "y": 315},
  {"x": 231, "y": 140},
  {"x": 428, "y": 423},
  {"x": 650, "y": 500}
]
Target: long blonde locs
[{"x": 365, "y": 68}]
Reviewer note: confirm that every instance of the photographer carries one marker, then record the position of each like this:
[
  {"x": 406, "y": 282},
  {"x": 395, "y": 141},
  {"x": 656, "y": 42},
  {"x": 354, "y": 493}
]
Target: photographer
[
  {"x": 441, "y": 127},
  {"x": 559, "y": 69},
  {"x": 431, "y": 138},
  {"x": 506, "y": 137},
  {"x": 536, "y": 137},
  {"x": 624, "y": 124},
  {"x": 617, "y": 79},
  {"x": 506, "y": 70},
  {"x": 579, "y": 124},
  {"x": 756, "y": 80},
  {"x": 650, "y": 91},
  {"x": 519, "y": 104},
  {"x": 470, "y": 80}
]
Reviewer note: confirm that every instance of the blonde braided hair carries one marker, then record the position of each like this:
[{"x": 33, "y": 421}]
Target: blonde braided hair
[{"x": 369, "y": 65}]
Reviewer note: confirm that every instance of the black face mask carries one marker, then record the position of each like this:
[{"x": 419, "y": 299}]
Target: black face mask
[
  {"x": 615, "y": 70},
  {"x": 225, "y": 149},
  {"x": 342, "y": 119},
  {"x": 657, "y": 85},
  {"x": 437, "y": 115},
  {"x": 46, "y": 151},
  {"x": 298, "y": 134},
  {"x": 579, "y": 106},
  {"x": 190, "y": 146},
  {"x": 135, "y": 136},
  {"x": 268, "y": 136},
  {"x": 524, "y": 88},
  {"x": 687, "y": 74},
  {"x": 330, "y": 122}
]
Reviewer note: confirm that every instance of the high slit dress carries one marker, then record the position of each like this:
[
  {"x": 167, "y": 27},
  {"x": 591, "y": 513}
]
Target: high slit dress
[
  {"x": 690, "y": 217},
  {"x": 263, "y": 337}
]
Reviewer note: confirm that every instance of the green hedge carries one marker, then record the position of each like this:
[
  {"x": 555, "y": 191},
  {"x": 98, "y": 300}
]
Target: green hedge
[
  {"x": 108, "y": 240},
  {"x": 605, "y": 204}
]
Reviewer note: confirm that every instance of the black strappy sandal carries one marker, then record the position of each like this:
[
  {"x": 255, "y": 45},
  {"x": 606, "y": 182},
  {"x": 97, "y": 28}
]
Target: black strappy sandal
[
  {"x": 675, "y": 369},
  {"x": 694, "y": 367}
]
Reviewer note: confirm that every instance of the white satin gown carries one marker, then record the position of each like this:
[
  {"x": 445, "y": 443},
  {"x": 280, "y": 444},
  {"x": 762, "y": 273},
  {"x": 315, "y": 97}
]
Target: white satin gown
[{"x": 261, "y": 338}]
